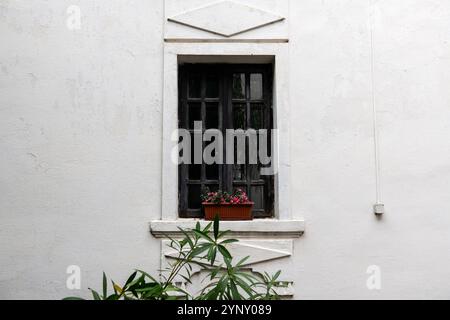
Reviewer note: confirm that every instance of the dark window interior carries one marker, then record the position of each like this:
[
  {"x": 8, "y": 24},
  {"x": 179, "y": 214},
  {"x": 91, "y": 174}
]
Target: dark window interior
[{"x": 225, "y": 96}]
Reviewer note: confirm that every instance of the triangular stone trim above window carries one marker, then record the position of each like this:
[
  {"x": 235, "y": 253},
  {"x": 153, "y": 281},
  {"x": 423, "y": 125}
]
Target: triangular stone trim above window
[{"x": 226, "y": 18}]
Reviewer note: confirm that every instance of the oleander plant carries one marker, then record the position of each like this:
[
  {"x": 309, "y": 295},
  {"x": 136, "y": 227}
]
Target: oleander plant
[{"x": 199, "y": 247}]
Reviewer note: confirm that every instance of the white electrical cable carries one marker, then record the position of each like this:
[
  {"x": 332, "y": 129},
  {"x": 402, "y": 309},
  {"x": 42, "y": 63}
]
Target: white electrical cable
[{"x": 374, "y": 113}]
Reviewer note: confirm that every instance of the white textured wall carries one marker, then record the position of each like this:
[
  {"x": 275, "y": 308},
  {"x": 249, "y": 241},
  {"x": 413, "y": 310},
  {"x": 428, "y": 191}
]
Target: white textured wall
[
  {"x": 80, "y": 132},
  {"x": 333, "y": 156}
]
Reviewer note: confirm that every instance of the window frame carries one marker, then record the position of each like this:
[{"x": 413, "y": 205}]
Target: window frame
[
  {"x": 177, "y": 53},
  {"x": 225, "y": 104}
]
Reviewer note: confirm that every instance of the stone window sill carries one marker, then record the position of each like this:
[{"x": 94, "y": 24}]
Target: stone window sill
[{"x": 254, "y": 228}]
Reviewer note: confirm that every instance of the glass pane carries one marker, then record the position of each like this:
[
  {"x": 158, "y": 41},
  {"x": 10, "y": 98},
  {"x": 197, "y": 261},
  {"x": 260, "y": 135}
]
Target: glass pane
[
  {"x": 254, "y": 171},
  {"x": 194, "y": 201},
  {"x": 239, "y": 86},
  {"x": 195, "y": 114},
  {"x": 239, "y": 118},
  {"x": 256, "y": 85},
  {"x": 212, "y": 172},
  {"x": 195, "y": 171},
  {"x": 238, "y": 172},
  {"x": 212, "y": 116},
  {"x": 194, "y": 86},
  {"x": 257, "y": 116},
  {"x": 212, "y": 87},
  {"x": 196, "y": 148},
  {"x": 257, "y": 196}
]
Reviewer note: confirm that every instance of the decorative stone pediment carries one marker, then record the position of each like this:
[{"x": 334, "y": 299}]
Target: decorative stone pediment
[
  {"x": 257, "y": 251},
  {"x": 226, "y": 21},
  {"x": 226, "y": 18}
]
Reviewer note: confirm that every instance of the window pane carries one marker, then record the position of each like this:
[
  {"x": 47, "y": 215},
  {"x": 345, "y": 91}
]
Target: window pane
[
  {"x": 195, "y": 86},
  {"x": 212, "y": 172},
  {"x": 256, "y": 86},
  {"x": 239, "y": 86},
  {"x": 194, "y": 201},
  {"x": 239, "y": 118},
  {"x": 257, "y": 196},
  {"x": 254, "y": 170},
  {"x": 213, "y": 187},
  {"x": 212, "y": 116},
  {"x": 239, "y": 172},
  {"x": 212, "y": 87},
  {"x": 257, "y": 116},
  {"x": 195, "y": 171},
  {"x": 195, "y": 114}
]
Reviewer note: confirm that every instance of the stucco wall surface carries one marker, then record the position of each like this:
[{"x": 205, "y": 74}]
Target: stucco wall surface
[{"x": 81, "y": 132}]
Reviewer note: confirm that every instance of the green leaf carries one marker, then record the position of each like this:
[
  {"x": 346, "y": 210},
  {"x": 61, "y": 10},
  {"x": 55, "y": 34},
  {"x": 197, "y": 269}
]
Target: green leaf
[
  {"x": 209, "y": 254},
  {"x": 214, "y": 273},
  {"x": 227, "y": 262},
  {"x": 224, "y": 251},
  {"x": 73, "y": 298},
  {"x": 183, "y": 243},
  {"x": 213, "y": 255},
  {"x": 117, "y": 288},
  {"x": 207, "y": 227},
  {"x": 154, "y": 292},
  {"x": 172, "y": 288},
  {"x": 147, "y": 275},
  {"x": 216, "y": 226},
  {"x": 186, "y": 279},
  {"x": 275, "y": 277},
  {"x": 105, "y": 286},
  {"x": 95, "y": 294},
  {"x": 223, "y": 233},
  {"x": 200, "y": 249},
  {"x": 229, "y": 241},
  {"x": 187, "y": 237},
  {"x": 148, "y": 287},
  {"x": 136, "y": 282},
  {"x": 242, "y": 284},
  {"x": 172, "y": 241},
  {"x": 242, "y": 261},
  {"x": 251, "y": 278},
  {"x": 114, "y": 286},
  {"x": 130, "y": 279},
  {"x": 234, "y": 291},
  {"x": 204, "y": 235}
]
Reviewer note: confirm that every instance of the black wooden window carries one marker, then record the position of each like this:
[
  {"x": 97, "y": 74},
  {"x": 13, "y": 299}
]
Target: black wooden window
[{"x": 225, "y": 97}]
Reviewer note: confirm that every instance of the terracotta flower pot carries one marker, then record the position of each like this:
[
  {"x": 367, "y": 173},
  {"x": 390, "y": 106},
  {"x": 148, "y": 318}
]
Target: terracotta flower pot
[{"x": 242, "y": 211}]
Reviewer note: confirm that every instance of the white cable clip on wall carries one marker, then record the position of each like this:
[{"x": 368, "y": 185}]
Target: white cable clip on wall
[{"x": 378, "y": 209}]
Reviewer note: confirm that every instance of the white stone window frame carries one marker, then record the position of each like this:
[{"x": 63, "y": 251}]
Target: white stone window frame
[{"x": 283, "y": 224}]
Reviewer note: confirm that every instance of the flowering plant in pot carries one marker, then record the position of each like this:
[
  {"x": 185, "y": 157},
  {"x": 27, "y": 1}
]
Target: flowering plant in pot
[{"x": 228, "y": 206}]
